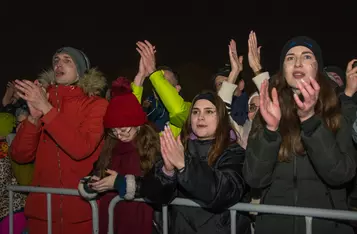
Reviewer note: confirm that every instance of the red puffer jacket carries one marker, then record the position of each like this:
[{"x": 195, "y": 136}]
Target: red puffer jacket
[{"x": 64, "y": 146}]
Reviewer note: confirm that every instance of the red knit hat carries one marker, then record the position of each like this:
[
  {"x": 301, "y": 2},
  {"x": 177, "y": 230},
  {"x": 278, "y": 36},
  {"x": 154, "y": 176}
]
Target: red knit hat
[{"x": 124, "y": 109}]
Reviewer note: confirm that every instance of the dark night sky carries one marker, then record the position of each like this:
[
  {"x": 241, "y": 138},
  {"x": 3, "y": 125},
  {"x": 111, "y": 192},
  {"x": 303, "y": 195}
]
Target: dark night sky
[{"x": 190, "y": 38}]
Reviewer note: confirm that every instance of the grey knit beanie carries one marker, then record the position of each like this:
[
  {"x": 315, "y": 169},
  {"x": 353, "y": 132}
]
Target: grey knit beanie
[{"x": 79, "y": 58}]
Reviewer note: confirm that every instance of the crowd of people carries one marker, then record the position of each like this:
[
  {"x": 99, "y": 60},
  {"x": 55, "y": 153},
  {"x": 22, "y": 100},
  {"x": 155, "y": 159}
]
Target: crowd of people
[{"x": 291, "y": 142}]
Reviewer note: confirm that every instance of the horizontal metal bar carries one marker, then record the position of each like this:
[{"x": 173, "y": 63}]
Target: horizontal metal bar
[
  {"x": 32, "y": 189},
  {"x": 299, "y": 211},
  {"x": 273, "y": 209}
]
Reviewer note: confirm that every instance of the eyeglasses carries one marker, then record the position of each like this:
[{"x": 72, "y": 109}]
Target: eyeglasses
[
  {"x": 116, "y": 132},
  {"x": 252, "y": 108}
]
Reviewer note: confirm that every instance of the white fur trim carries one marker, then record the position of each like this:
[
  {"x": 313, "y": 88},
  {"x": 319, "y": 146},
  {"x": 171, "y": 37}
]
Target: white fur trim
[
  {"x": 130, "y": 187},
  {"x": 255, "y": 94}
]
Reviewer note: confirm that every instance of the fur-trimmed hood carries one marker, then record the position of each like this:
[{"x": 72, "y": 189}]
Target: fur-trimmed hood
[{"x": 93, "y": 83}]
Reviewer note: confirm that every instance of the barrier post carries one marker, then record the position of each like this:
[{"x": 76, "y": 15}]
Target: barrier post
[
  {"x": 233, "y": 221},
  {"x": 49, "y": 213},
  {"x": 111, "y": 207},
  {"x": 49, "y": 192},
  {"x": 165, "y": 220},
  {"x": 95, "y": 216},
  {"x": 308, "y": 223},
  {"x": 11, "y": 212}
]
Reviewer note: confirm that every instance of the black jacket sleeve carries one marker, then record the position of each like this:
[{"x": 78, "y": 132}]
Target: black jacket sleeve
[
  {"x": 261, "y": 158},
  {"x": 351, "y": 112},
  {"x": 333, "y": 155},
  {"x": 156, "y": 186},
  {"x": 217, "y": 187}
]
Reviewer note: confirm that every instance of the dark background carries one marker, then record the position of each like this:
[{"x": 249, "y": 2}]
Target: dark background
[{"x": 192, "y": 38}]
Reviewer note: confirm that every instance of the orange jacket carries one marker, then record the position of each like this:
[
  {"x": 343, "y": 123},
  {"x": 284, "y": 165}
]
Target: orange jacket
[{"x": 64, "y": 146}]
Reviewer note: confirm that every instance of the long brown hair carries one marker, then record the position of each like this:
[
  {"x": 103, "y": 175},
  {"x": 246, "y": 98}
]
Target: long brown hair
[
  {"x": 147, "y": 142},
  {"x": 222, "y": 135},
  {"x": 327, "y": 107}
]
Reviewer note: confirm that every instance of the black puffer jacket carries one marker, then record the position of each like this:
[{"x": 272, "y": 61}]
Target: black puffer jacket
[
  {"x": 216, "y": 188},
  {"x": 316, "y": 180}
]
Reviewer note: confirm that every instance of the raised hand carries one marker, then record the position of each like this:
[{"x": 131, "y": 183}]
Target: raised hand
[
  {"x": 35, "y": 96},
  {"x": 254, "y": 53},
  {"x": 9, "y": 94},
  {"x": 168, "y": 167},
  {"x": 173, "y": 150},
  {"x": 147, "y": 52},
  {"x": 351, "y": 79},
  {"x": 269, "y": 107},
  {"x": 142, "y": 71},
  {"x": 310, "y": 92},
  {"x": 236, "y": 62}
]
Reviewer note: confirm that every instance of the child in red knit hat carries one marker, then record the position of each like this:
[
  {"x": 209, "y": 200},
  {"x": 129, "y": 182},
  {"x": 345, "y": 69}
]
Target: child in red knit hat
[{"x": 131, "y": 148}]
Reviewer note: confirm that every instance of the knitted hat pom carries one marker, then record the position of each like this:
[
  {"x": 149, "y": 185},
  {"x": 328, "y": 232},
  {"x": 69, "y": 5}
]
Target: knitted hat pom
[{"x": 120, "y": 86}]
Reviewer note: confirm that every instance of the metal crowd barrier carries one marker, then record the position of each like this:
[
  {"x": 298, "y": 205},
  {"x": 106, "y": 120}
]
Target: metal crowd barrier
[
  {"x": 49, "y": 192},
  {"x": 309, "y": 213}
]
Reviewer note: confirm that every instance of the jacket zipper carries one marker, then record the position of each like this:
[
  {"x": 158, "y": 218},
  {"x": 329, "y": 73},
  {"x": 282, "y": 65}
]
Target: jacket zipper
[
  {"x": 295, "y": 190},
  {"x": 59, "y": 168}
]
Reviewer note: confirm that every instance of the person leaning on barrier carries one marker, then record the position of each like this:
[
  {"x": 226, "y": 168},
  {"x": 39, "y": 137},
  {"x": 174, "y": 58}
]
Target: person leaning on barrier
[
  {"x": 206, "y": 170},
  {"x": 131, "y": 146},
  {"x": 63, "y": 135},
  {"x": 301, "y": 153}
]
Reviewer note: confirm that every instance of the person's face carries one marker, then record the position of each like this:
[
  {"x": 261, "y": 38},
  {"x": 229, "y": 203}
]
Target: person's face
[
  {"x": 170, "y": 77},
  {"x": 253, "y": 107},
  {"x": 125, "y": 134},
  {"x": 65, "y": 69},
  {"x": 299, "y": 65},
  {"x": 336, "y": 78},
  {"x": 204, "y": 119},
  {"x": 218, "y": 82}
]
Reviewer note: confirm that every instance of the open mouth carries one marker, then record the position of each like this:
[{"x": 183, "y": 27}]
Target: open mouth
[
  {"x": 59, "y": 73},
  {"x": 298, "y": 75}
]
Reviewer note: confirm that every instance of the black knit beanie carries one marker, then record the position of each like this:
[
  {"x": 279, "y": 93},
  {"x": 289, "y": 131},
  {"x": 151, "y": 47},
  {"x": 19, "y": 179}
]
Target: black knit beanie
[{"x": 306, "y": 42}]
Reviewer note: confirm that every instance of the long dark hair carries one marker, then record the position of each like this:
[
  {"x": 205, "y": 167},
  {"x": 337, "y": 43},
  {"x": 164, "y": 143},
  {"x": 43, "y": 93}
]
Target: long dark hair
[
  {"x": 222, "y": 135},
  {"x": 327, "y": 107}
]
